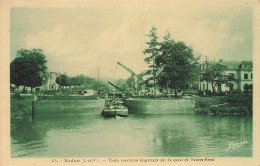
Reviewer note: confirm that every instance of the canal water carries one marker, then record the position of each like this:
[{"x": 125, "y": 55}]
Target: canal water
[{"x": 132, "y": 136}]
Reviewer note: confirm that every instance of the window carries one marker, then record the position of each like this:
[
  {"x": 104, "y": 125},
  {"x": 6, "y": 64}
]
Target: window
[
  {"x": 251, "y": 75},
  {"x": 245, "y": 76}
]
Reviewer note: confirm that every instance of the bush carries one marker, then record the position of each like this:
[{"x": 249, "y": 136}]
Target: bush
[
  {"x": 17, "y": 95},
  {"x": 220, "y": 94},
  {"x": 237, "y": 104},
  {"x": 208, "y": 93},
  {"x": 200, "y": 93},
  {"x": 203, "y": 102}
]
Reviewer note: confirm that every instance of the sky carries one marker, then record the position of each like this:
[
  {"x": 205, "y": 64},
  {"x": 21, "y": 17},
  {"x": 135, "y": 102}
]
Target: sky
[{"x": 83, "y": 40}]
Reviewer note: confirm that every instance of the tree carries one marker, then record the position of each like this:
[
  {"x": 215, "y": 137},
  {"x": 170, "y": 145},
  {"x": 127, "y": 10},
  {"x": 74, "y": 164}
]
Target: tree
[
  {"x": 248, "y": 88},
  {"x": 28, "y": 68},
  {"x": 73, "y": 81},
  {"x": 17, "y": 74},
  {"x": 153, "y": 50},
  {"x": 215, "y": 74},
  {"x": 81, "y": 79},
  {"x": 63, "y": 80},
  {"x": 101, "y": 86},
  {"x": 178, "y": 65}
]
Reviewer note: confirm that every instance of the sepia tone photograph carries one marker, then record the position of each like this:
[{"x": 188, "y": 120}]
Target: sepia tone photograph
[{"x": 120, "y": 82}]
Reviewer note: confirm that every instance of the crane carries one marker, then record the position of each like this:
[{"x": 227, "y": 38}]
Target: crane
[
  {"x": 116, "y": 87},
  {"x": 139, "y": 78},
  {"x": 130, "y": 71}
]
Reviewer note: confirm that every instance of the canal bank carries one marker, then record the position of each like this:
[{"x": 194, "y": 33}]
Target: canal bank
[
  {"x": 90, "y": 107},
  {"x": 159, "y": 106},
  {"x": 31, "y": 105},
  {"x": 21, "y": 105},
  {"x": 235, "y": 104}
]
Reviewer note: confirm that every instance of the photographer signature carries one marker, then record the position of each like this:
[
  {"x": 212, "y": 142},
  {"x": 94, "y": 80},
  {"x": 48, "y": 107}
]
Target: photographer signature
[{"x": 233, "y": 145}]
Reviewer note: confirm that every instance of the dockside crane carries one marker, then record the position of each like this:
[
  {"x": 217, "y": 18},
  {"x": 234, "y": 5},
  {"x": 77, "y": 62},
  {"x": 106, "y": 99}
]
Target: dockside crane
[
  {"x": 116, "y": 87},
  {"x": 130, "y": 71},
  {"x": 139, "y": 78}
]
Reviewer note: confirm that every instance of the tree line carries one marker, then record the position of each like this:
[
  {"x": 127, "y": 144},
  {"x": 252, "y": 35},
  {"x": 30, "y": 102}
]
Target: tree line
[
  {"x": 175, "y": 66},
  {"x": 80, "y": 81},
  {"x": 29, "y": 69}
]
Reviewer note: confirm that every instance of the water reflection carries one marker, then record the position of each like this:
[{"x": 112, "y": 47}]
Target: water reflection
[
  {"x": 204, "y": 135},
  {"x": 136, "y": 135}
]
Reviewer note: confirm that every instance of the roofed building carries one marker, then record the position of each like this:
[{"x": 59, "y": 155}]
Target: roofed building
[{"x": 242, "y": 73}]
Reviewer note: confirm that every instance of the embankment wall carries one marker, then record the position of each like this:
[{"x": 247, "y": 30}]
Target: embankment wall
[
  {"x": 172, "y": 106},
  {"x": 68, "y": 106}
]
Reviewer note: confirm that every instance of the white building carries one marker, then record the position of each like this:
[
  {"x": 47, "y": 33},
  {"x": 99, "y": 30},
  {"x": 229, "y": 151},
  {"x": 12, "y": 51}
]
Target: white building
[
  {"x": 50, "y": 82},
  {"x": 242, "y": 72}
]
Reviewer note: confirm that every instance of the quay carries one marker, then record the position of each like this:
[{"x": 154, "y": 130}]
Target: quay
[
  {"x": 167, "y": 106},
  {"x": 68, "y": 106}
]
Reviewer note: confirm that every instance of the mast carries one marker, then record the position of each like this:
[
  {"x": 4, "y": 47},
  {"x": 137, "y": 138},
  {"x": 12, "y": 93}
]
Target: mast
[
  {"x": 98, "y": 80},
  {"x": 206, "y": 62}
]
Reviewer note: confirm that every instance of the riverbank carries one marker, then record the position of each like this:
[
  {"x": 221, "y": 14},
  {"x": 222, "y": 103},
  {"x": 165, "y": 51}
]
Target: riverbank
[
  {"x": 223, "y": 105},
  {"x": 22, "y": 105},
  {"x": 217, "y": 105},
  {"x": 86, "y": 107},
  {"x": 160, "y": 106}
]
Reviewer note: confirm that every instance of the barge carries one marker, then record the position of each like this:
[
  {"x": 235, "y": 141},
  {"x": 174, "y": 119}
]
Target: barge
[{"x": 116, "y": 108}]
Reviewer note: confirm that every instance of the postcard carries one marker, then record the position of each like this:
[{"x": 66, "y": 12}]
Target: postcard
[{"x": 112, "y": 82}]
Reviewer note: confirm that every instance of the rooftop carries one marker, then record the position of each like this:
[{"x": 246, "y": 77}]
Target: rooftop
[
  {"x": 235, "y": 65},
  {"x": 231, "y": 65}
]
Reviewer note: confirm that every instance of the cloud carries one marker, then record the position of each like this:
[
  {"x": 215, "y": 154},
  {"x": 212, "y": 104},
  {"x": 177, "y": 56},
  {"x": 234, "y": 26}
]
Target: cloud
[
  {"x": 207, "y": 36},
  {"x": 83, "y": 46},
  {"x": 69, "y": 52},
  {"x": 63, "y": 48}
]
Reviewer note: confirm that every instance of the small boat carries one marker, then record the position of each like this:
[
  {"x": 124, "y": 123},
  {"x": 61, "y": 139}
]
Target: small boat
[{"x": 114, "y": 109}]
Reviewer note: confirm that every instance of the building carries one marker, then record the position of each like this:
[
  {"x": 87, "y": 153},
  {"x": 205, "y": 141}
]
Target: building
[
  {"x": 242, "y": 73},
  {"x": 50, "y": 82}
]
